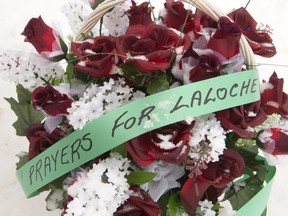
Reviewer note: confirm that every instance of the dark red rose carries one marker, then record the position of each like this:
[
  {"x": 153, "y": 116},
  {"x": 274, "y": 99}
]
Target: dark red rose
[
  {"x": 40, "y": 139},
  {"x": 151, "y": 48},
  {"x": 230, "y": 166},
  {"x": 139, "y": 204},
  {"x": 45, "y": 39},
  {"x": 139, "y": 14},
  {"x": 201, "y": 20},
  {"x": 51, "y": 101},
  {"x": 276, "y": 143},
  {"x": 260, "y": 42},
  {"x": 226, "y": 38},
  {"x": 240, "y": 118},
  {"x": 208, "y": 66},
  {"x": 178, "y": 17},
  {"x": 273, "y": 99},
  {"x": 151, "y": 146},
  {"x": 97, "y": 56}
]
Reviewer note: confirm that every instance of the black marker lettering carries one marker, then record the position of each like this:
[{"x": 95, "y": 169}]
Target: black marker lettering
[
  {"x": 64, "y": 153},
  {"x": 128, "y": 125},
  {"x": 196, "y": 96},
  {"x": 254, "y": 84},
  {"x": 116, "y": 125},
  {"x": 76, "y": 149},
  {"x": 47, "y": 165},
  {"x": 90, "y": 143},
  {"x": 146, "y": 114},
  {"x": 221, "y": 93},
  {"x": 176, "y": 107},
  {"x": 208, "y": 99},
  {"x": 31, "y": 172},
  {"x": 38, "y": 167},
  {"x": 55, "y": 159},
  {"x": 231, "y": 90},
  {"x": 245, "y": 87}
]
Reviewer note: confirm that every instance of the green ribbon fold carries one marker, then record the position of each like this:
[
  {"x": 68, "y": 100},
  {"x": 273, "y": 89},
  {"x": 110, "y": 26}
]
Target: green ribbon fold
[
  {"x": 257, "y": 205},
  {"x": 136, "y": 118}
]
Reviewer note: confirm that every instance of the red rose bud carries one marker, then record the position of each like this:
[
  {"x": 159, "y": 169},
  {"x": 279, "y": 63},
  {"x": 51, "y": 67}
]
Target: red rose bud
[
  {"x": 273, "y": 99},
  {"x": 208, "y": 66},
  {"x": 169, "y": 144},
  {"x": 45, "y": 40},
  {"x": 97, "y": 56},
  {"x": 51, "y": 101},
  {"x": 275, "y": 141},
  {"x": 139, "y": 14},
  {"x": 240, "y": 118},
  {"x": 139, "y": 204},
  {"x": 40, "y": 139},
  {"x": 177, "y": 16},
  {"x": 226, "y": 38},
  {"x": 260, "y": 41},
  {"x": 230, "y": 166}
]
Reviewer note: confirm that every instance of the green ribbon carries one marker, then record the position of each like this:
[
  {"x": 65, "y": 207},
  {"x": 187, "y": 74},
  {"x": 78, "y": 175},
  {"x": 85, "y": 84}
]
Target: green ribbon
[
  {"x": 257, "y": 205},
  {"x": 136, "y": 118}
]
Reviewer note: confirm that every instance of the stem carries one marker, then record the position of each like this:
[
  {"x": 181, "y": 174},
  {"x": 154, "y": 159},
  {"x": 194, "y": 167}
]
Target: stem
[{"x": 247, "y": 4}]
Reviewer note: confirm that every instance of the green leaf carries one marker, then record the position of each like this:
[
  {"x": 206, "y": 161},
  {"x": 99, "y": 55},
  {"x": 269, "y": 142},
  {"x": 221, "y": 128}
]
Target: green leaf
[
  {"x": 64, "y": 47},
  {"x": 69, "y": 71},
  {"x": 121, "y": 150},
  {"x": 134, "y": 75},
  {"x": 257, "y": 169},
  {"x": 23, "y": 159},
  {"x": 158, "y": 83},
  {"x": 174, "y": 204},
  {"x": 24, "y": 95},
  {"x": 139, "y": 177},
  {"x": 23, "y": 109}
]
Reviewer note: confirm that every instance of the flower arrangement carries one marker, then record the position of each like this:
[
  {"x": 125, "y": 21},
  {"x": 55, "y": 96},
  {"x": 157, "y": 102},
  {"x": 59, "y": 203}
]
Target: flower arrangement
[{"x": 199, "y": 165}]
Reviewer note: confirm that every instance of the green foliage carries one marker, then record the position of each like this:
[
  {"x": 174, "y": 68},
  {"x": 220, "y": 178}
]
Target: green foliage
[
  {"x": 69, "y": 72},
  {"x": 256, "y": 171},
  {"x": 134, "y": 75},
  {"x": 174, "y": 203},
  {"x": 121, "y": 150},
  {"x": 23, "y": 109},
  {"x": 23, "y": 159},
  {"x": 139, "y": 177},
  {"x": 158, "y": 83}
]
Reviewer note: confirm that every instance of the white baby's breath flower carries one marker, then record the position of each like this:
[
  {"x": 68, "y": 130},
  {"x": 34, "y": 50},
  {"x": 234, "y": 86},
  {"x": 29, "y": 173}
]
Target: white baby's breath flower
[
  {"x": 98, "y": 100},
  {"x": 28, "y": 69},
  {"x": 206, "y": 143},
  {"x": 205, "y": 208},
  {"x": 116, "y": 22},
  {"x": 76, "y": 12},
  {"x": 101, "y": 190}
]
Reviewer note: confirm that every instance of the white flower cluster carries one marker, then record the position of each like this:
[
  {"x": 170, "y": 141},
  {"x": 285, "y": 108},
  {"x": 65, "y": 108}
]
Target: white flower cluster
[
  {"x": 76, "y": 12},
  {"x": 98, "y": 100},
  {"x": 273, "y": 121},
  {"x": 208, "y": 139},
  {"x": 205, "y": 208},
  {"x": 116, "y": 22},
  {"x": 28, "y": 69},
  {"x": 102, "y": 190}
]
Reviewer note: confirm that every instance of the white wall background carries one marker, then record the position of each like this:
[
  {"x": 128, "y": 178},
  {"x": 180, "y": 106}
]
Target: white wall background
[{"x": 14, "y": 17}]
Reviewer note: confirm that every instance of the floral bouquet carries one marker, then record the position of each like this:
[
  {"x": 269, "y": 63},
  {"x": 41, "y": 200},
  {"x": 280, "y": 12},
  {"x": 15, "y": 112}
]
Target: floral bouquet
[{"x": 139, "y": 113}]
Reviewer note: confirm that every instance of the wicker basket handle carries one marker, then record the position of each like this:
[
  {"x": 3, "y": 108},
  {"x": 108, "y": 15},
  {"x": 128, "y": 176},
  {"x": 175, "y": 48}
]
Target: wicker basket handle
[{"x": 202, "y": 5}]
